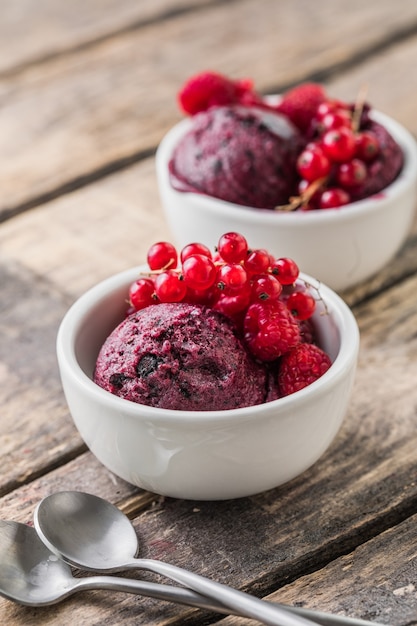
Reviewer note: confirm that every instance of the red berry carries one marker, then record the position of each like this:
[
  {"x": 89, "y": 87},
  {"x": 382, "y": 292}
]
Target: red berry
[
  {"x": 194, "y": 248},
  {"x": 339, "y": 145},
  {"x": 199, "y": 272},
  {"x": 141, "y": 293},
  {"x": 162, "y": 255},
  {"x": 257, "y": 261},
  {"x": 231, "y": 276},
  {"x": 333, "y": 197},
  {"x": 367, "y": 146},
  {"x": 233, "y": 302},
  {"x": 300, "y": 104},
  {"x": 330, "y": 106},
  {"x": 336, "y": 119},
  {"x": 212, "y": 89},
  {"x": 202, "y": 296},
  {"x": 300, "y": 367},
  {"x": 232, "y": 247},
  {"x": 270, "y": 330},
  {"x": 264, "y": 287},
  {"x": 351, "y": 174},
  {"x": 285, "y": 270},
  {"x": 301, "y": 304},
  {"x": 169, "y": 287},
  {"x": 313, "y": 164}
]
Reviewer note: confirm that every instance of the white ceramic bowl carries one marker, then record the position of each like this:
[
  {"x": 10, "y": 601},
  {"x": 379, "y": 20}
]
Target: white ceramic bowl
[
  {"x": 202, "y": 455},
  {"x": 340, "y": 247}
]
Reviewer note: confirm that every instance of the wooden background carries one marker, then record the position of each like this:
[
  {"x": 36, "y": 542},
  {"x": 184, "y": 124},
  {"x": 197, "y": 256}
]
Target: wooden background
[{"x": 87, "y": 90}]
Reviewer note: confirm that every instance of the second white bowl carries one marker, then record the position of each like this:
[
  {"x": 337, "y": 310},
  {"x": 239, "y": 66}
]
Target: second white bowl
[{"x": 340, "y": 247}]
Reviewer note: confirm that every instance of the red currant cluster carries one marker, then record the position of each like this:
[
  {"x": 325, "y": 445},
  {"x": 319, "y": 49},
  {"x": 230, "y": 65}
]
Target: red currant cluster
[
  {"x": 334, "y": 164},
  {"x": 259, "y": 292}
]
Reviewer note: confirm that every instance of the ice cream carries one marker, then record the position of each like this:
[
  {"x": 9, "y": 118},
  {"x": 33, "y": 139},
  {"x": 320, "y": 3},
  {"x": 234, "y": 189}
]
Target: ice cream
[
  {"x": 239, "y": 154},
  {"x": 181, "y": 356},
  {"x": 300, "y": 151}
]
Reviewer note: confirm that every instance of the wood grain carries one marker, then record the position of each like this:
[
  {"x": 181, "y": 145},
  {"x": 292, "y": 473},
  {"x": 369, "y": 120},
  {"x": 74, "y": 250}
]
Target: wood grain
[{"x": 34, "y": 31}]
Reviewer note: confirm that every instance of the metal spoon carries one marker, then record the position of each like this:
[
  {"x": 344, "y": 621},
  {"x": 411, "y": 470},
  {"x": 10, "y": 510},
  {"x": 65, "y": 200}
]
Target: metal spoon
[
  {"x": 91, "y": 533},
  {"x": 32, "y": 575}
]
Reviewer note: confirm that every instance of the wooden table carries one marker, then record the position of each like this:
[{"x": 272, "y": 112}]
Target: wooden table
[{"x": 87, "y": 89}]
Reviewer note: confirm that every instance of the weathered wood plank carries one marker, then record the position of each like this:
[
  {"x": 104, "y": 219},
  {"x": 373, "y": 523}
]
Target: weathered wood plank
[
  {"x": 375, "y": 582},
  {"x": 33, "y": 31},
  {"x": 77, "y": 248},
  {"x": 72, "y": 118}
]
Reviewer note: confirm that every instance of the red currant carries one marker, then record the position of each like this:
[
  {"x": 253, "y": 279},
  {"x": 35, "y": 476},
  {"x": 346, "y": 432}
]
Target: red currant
[
  {"x": 313, "y": 164},
  {"x": 141, "y": 293},
  {"x": 234, "y": 302},
  {"x": 339, "y": 145},
  {"x": 194, "y": 248},
  {"x": 169, "y": 287},
  {"x": 333, "y": 197},
  {"x": 231, "y": 276},
  {"x": 264, "y": 287},
  {"x": 199, "y": 271},
  {"x": 257, "y": 261},
  {"x": 162, "y": 255},
  {"x": 301, "y": 304},
  {"x": 351, "y": 174},
  {"x": 285, "y": 270},
  {"x": 367, "y": 146},
  {"x": 330, "y": 106},
  {"x": 232, "y": 247},
  {"x": 336, "y": 119}
]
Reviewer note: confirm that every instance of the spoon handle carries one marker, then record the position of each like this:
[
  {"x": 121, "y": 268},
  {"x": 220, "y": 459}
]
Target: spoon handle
[
  {"x": 178, "y": 595},
  {"x": 243, "y": 603},
  {"x": 188, "y": 597}
]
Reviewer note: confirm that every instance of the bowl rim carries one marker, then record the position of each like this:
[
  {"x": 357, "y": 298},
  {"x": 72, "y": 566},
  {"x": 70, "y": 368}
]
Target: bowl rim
[
  {"x": 407, "y": 177},
  {"x": 76, "y": 315}
]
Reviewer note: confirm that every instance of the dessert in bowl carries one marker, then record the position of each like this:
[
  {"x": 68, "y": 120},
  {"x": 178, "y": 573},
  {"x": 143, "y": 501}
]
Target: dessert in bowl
[
  {"x": 341, "y": 231},
  {"x": 196, "y": 453}
]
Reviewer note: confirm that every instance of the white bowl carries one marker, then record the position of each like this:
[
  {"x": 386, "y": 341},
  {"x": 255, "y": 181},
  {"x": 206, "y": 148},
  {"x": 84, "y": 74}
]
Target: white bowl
[
  {"x": 202, "y": 455},
  {"x": 340, "y": 247}
]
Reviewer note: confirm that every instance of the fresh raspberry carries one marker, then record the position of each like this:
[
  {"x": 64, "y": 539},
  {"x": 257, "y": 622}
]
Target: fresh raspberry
[
  {"x": 270, "y": 329},
  {"x": 300, "y": 104},
  {"x": 300, "y": 367},
  {"x": 211, "y": 89}
]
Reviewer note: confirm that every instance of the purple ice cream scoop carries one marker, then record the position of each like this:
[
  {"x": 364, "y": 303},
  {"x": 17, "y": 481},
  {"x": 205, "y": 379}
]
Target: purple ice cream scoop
[
  {"x": 181, "y": 356},
  {"x": 242, "y": 155}
]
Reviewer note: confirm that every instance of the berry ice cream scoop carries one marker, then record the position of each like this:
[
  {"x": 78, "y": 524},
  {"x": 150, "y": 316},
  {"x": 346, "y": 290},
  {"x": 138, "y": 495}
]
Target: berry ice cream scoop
[
  {"x": 239, "y": 154},
  {"x": 184, "y": 357}
]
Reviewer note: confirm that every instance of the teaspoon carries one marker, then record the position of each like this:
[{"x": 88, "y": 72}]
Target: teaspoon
[
  {"x": 91, "y": 533},
  {"x": 32, "y": 575}
]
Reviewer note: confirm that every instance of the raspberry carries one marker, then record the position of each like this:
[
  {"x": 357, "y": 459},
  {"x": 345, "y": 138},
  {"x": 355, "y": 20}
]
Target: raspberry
[
  {"x": 300, "y": 367},
  {"x": 211, "y": 89},
  {"x": 301, "y": 103},
  {"x": 270, "y": 330}
]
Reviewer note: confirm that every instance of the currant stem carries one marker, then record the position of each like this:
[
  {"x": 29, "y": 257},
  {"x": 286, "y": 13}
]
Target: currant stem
[
  {"x": 357, "y": 111},
  {"x": 297, "y": 201}
]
